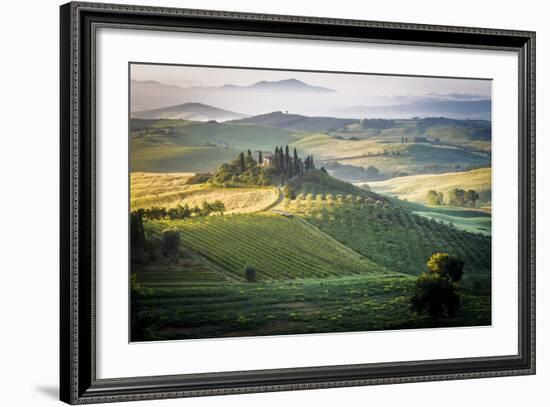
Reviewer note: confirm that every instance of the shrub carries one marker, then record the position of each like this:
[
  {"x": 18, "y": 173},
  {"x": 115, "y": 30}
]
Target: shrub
[
  {"x": 435, "y": 289},
  {"x": 250, "y": 273},
  {"x": 170, "y": 243}
]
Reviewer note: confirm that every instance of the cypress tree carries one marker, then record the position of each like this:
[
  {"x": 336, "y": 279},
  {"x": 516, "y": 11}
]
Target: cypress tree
[
  {"x": 287, "y": 156},
  {"x": 290, "y": 169},
  {"x": 241, "y": 162},
  {"x": 260, "y": 158},
  {"x": 276, "y": 158},
  {"x": 296, "y": 162},
  {"x": 249, "y": 153}
]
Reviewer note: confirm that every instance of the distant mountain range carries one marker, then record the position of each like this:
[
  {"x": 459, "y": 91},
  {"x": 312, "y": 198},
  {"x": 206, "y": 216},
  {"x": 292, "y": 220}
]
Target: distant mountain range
[
  {"x": 188, "y": 111},
  {"x": 290, "y": 95},
  {"x": 454, "y": 109},
  {"x": 283, "y": 85},
  {"x": 147, "y": 95}
]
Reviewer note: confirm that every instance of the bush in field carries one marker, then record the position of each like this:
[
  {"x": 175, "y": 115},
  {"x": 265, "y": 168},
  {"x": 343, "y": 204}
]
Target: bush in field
[
  {"x": 449, "y": 266},
  {"x": 435, "y": 289},
  {"x": 434, "y": 198},
  {"x": 472, "y": 197},
  {"x": 249, "y": 273},
  {"x": 289, "y": 193},
  {"x": 170, "y": 243}
]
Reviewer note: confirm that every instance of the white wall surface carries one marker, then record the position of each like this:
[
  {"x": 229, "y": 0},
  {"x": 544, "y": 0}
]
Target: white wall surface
[{"x": 29, "y": 163}]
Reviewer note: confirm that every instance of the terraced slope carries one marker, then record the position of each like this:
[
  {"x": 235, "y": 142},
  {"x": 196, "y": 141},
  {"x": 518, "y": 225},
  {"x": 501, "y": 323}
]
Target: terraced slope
[
  {"x": 279, "y": 247},
  {"x": 392, "y": 236}
]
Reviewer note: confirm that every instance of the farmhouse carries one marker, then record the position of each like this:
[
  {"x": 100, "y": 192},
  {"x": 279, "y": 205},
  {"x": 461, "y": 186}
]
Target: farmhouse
[{"x": 267, "y": 160}]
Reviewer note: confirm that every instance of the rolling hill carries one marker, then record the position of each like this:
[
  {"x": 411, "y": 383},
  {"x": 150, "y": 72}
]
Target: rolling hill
[
  {"x": 335, "y": 259},
  {"x": 297, "y": 122},
  {"x": 188, "y": 111},
  {"x": 171, "y": 190},
  {"x": 415, "y": 187},
  {"x": 278, "y": 247},
  {"x": 392, "y": 235},
  {"x": 187, "y": 146},
  {"x": 395, "y": 148},
  {"x": 316, "y": 182}
]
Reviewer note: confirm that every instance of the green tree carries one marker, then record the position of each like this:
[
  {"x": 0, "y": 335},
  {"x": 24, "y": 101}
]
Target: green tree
[
  {"x": 289, "y": 193},
  {"x": 449, "y": 266},
  {"x": 436, "y": 289},
  {"x": 287, "y": 157},
  {"x": 372, "y": 172},
  {"x": 457, "y": 197},
  {"x": 260, "y": 158},
  {"x": 242, "y": 165},
  {"x": 170, "y": 243},
  {"x": 249, "y": 273},
  {"x": 137, "y": 232},
  {"x": 434, "y": 198},
  {"x": 472, "y": 197},
  {"x": 296, "y": 162}
]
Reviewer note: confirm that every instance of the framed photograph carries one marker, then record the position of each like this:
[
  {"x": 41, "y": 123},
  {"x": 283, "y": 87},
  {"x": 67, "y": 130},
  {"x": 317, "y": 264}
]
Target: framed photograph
[{"x": 254, "y": 203}]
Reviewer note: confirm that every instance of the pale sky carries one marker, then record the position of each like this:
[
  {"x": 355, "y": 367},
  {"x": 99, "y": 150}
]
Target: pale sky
[{"x": 375, "y": 88}]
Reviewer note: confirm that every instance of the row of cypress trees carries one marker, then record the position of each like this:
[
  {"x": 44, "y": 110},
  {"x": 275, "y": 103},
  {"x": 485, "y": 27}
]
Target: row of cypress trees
[{"x": 283, "y": 163}]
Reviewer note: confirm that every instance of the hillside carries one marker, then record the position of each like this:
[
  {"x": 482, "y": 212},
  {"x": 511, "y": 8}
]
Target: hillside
[
  {"x": 171, "y": 190},
  {"x": 187, "y": 146},
  {"x": 389, "y": 155},
  {"x": 393, "y": 236},
  {"x": 188, "y": 111},
  {"x": 394, "y": 148},
  {"x": 278, "y": 247},
  {"x": 414, "y": 187},
  {"x": 297, "y": 122},
  {"x": 340, "y": 260},
  {"x": 317, "y": 182}
]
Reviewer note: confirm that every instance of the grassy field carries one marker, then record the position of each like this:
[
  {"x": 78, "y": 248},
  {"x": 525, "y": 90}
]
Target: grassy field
[
  {"x": 414, "y": 187},
  {"x": 170, "y": 190},
  {"x": 467, "y": 219},
  {"x": 279, "y": 247},
  {"x": 182, "y": 310}
]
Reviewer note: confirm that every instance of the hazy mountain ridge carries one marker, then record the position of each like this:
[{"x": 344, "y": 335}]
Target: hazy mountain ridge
[
  {"x": 188, "y": 111},
  {"x": 454, "y": 109},
  {"x": 297, "y": 122},
  {"x": 147, "y": 95}
]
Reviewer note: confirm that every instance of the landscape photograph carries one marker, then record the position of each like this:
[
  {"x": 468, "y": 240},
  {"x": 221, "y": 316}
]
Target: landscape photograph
[{"x": 276, "y": 202}]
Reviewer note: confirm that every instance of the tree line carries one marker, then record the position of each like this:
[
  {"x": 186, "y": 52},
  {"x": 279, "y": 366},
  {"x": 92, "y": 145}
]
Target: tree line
[
  {"x": 455, "y": 197},
  {"x": 180, "y": 212},
  {"x": 288, "y": 165},
  {"x": 246, "y": 170}
]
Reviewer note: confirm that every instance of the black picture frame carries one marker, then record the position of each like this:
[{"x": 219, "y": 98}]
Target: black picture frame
[{"x": 78, "y": 382}]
